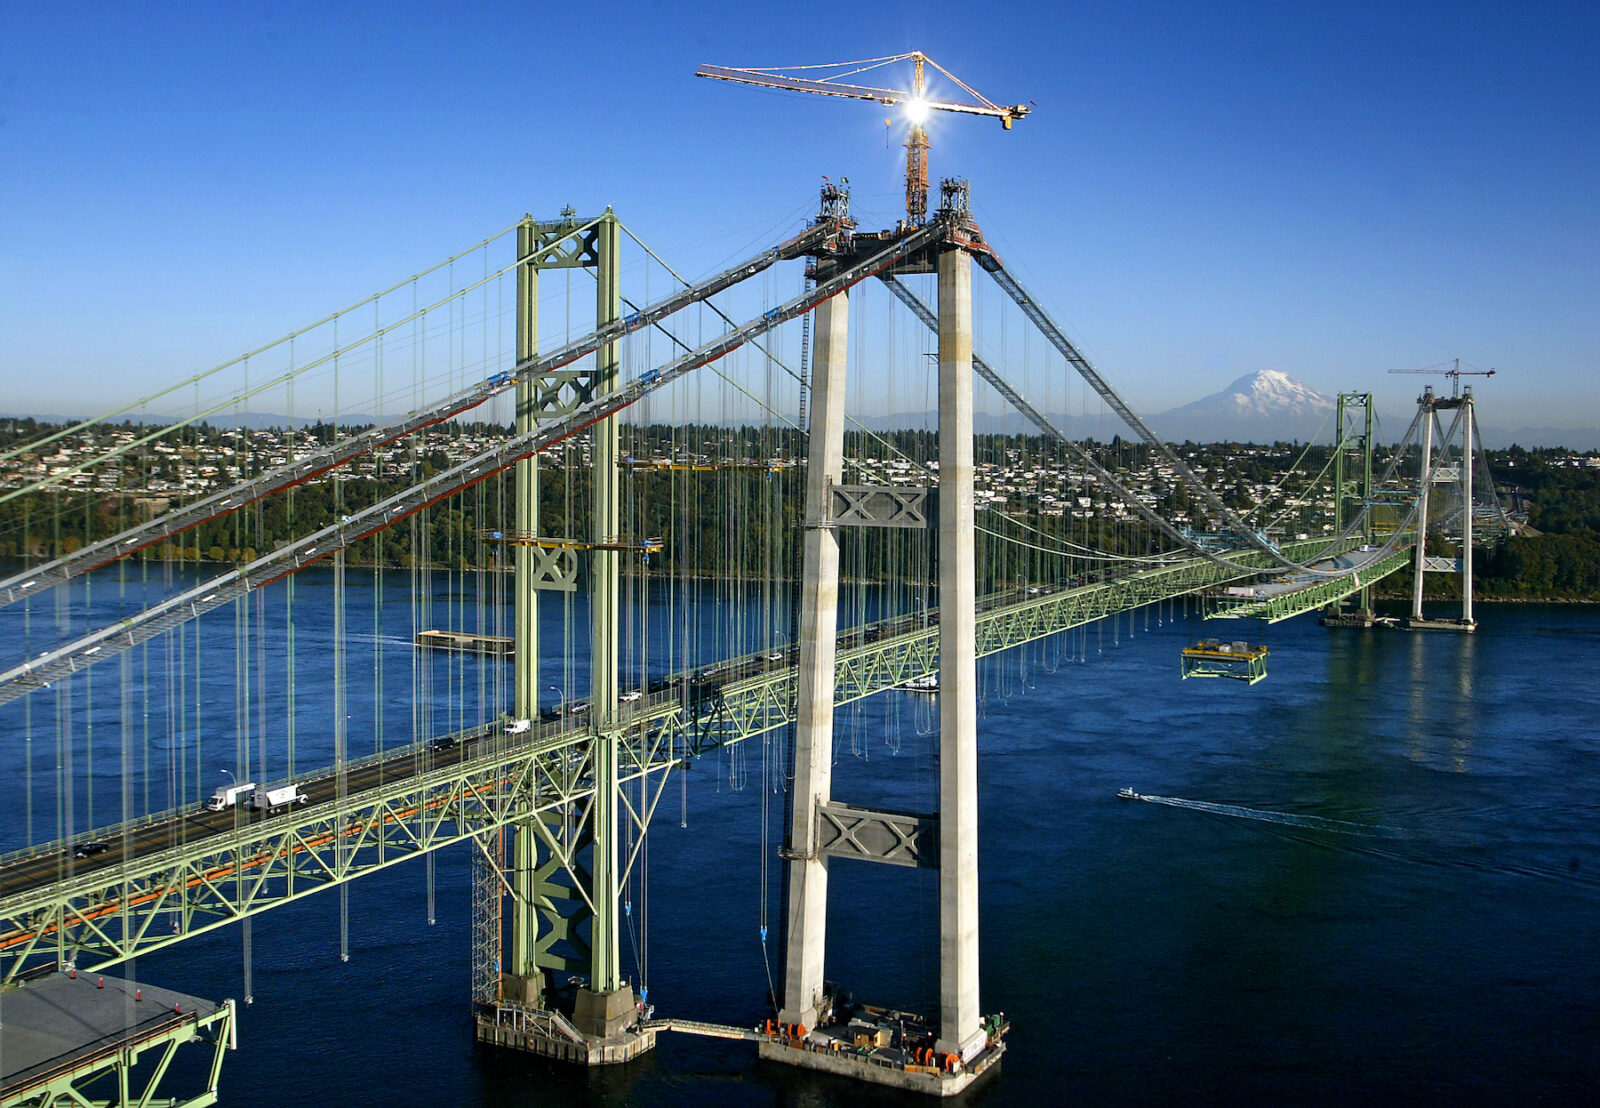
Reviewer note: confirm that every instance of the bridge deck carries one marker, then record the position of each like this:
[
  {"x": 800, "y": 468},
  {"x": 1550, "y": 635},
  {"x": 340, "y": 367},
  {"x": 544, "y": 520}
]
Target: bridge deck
[
  {"x": 1297, "y": 593},
  {"x": 169, "y": 876},
  {"x": 61, "y": 1029}
]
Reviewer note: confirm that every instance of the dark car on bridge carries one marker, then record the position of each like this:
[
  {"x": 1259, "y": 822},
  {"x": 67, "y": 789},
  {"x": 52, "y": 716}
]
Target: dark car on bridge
[{"x": 89, "y": 850}]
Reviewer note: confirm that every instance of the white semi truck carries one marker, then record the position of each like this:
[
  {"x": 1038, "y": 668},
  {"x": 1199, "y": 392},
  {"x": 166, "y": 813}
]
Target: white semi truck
[
  {"x": 270, "y": 800},
  {"x": 228, "y": 795}
]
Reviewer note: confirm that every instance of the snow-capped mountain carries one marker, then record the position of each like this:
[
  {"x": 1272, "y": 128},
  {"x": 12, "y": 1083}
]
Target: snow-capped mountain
[{"x": 1262, "y": 407}]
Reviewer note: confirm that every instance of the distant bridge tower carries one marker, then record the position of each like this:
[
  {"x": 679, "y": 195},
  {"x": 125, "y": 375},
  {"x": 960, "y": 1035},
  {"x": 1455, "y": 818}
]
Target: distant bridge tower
[
  {"x": 1352, "y": 492},
  {"x": 1433, "y": 472}
]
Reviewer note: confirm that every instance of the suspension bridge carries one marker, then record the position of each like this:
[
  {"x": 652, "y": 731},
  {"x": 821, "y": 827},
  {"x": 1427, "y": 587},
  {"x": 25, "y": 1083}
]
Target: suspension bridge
[{"x": 647, "y": 539}]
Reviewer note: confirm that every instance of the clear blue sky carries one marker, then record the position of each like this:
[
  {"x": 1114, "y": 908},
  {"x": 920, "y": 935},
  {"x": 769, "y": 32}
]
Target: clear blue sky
[{"x": 1204, "y": 190}]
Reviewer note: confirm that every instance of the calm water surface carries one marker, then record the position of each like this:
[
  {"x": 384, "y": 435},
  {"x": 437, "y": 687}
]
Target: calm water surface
[{"x": 1430, "y": 934}]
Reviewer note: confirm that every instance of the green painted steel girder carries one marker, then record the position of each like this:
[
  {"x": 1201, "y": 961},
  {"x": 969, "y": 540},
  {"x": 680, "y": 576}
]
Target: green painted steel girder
[
  {"x": 401, "y": 805},
  {"x": 174, "y": 890}
]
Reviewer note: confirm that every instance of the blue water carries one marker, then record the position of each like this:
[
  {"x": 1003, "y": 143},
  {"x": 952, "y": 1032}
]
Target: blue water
[{"x": 1406, "y": 904}]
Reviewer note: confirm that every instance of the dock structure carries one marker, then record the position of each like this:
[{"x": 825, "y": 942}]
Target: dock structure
[{"x": 88, "y": 1039}]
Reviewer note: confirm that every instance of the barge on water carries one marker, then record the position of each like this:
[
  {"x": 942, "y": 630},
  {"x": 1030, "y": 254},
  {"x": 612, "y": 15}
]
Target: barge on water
[
  {"x": 1240, "y": 661},
  {"x": 462, "y": 642}
]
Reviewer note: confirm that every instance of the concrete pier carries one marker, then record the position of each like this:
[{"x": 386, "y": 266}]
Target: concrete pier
[
  {"x": 1463, "y": 625},
  {"x": 832, "y": 1051},
  {"x": 552, "y": 1035}
]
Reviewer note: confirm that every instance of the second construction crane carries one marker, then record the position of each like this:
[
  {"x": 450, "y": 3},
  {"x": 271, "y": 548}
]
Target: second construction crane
[
  {"x": 916, "y": 102},
  {"x": 1455, "y": 374}
]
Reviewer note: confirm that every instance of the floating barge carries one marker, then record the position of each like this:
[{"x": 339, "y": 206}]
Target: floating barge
[
  {"x": 461, "y": 642},
  {"x": 1238, "y": 661}
]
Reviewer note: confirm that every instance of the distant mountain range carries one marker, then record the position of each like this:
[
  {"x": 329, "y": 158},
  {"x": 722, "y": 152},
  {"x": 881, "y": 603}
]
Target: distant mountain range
[{"x": 1263, "y": 407}]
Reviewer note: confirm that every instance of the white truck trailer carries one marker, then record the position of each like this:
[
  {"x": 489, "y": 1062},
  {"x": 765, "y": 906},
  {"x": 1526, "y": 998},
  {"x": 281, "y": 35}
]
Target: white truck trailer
[
  {"x": 270, "y": 800},
  {"x": 229, "y": 795}
]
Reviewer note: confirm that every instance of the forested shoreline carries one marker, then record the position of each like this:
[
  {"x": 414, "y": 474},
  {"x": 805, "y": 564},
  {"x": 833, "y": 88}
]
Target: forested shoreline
[{"x": 729, "y": 506}]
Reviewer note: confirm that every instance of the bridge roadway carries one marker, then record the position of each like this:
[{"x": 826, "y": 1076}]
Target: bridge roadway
[
  {"x": 1296, "y": 594},
  {"x": 170, "y": 876},
  {"x": 195, "y": 827}
]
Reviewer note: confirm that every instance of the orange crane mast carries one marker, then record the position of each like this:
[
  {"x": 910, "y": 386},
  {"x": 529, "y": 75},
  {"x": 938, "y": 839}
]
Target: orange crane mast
[{"x": 916, "y": 102}]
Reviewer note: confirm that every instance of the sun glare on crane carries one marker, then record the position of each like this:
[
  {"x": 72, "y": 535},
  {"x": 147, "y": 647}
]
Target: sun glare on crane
[{"x": 917, "y": 111}]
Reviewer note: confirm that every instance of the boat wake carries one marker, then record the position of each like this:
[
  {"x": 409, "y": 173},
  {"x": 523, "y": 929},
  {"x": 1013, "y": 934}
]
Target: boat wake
[{"x": 1288, "y": 819}]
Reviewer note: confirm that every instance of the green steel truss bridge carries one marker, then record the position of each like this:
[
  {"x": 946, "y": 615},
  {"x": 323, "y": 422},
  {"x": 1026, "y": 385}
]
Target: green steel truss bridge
[
  {"x": 555, "y": 795},
  {"x": 176, "y": 874}
]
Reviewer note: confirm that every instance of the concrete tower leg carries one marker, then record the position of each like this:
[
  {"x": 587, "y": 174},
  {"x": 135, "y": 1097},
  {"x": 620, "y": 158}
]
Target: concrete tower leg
[
  {"x": 960, "y": 1023},
  {"x": 1466, "y": 511},
  {"x": 1422, "y": 503},
  {"x": 807, "y": 919}
]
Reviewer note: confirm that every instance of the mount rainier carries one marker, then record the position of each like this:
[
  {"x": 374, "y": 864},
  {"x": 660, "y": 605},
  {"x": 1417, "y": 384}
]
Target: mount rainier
[{"x": 1261, "y": 407}]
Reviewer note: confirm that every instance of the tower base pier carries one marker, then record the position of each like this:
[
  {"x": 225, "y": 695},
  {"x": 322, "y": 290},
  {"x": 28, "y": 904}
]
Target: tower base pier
[
  {"x": 1356, "y": 617},
  {"x": 885, "y": 1047},
  {"x": 829, "y": 1054},
  {"x": 605, "y": 1029},
  {"x": 1465, "y": 625}
]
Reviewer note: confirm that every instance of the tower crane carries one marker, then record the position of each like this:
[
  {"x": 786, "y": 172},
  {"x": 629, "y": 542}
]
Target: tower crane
[
  {"x": 1455, "y": 373},
  {"x": 916, "y": 102}
]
